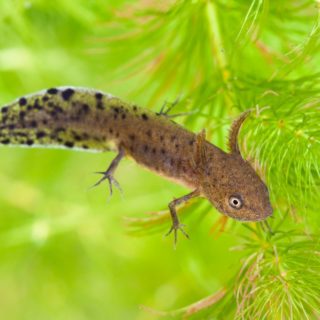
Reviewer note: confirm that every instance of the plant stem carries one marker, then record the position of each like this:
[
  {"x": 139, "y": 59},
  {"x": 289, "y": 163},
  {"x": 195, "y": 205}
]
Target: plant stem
[{"x": 217, "y": 42}]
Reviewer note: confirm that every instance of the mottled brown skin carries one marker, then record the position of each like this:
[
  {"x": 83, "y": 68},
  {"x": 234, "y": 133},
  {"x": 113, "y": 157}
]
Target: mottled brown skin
[{"x": 87, "y": 119}]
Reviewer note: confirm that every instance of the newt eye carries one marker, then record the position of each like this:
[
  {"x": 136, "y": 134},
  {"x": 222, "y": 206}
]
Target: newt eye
[{"x": 235, "y": 202}]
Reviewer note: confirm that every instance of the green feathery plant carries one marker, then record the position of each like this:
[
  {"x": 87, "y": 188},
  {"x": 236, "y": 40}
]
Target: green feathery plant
[
  {"x": 217, "y": 58},
  {"x": 220, "y": 58}
]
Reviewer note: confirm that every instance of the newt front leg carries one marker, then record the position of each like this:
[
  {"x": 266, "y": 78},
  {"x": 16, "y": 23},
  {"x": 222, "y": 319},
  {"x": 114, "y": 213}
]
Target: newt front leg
[{"x": 175, "y": 220}]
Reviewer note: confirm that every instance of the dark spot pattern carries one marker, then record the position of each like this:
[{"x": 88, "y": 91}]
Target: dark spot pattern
[
  {"x": 33, "y": 124},
  {"x": 22, "y": 101},
  {"x": 99, "y": 95},
  {"x": 40, "y": 134},
  {"x": 69, "y": 144},
  {"x": 67, "y": 94},
  {"x": 144, "y": 117},
  {"x": 85, "y": 108},
  {"x": 52, "y": 91},
  {"x": 5, "y": 141},
  {"x": 29, "y": 142},
  {"x": 37, "y": 105},
  {"x": 22, "y": 114}
]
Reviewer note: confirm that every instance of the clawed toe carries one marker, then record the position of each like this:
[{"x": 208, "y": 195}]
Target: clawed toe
[
  {"x": 112, "y": 181},
  {"x": 174, "y": 228}
]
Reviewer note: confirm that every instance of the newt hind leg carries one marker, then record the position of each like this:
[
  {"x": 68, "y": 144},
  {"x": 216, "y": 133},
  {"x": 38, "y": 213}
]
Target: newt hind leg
[{"x": 108, "y": 174}]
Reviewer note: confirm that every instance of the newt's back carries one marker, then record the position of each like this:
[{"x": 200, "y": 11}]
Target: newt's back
[{"x": 91, "y": 120}]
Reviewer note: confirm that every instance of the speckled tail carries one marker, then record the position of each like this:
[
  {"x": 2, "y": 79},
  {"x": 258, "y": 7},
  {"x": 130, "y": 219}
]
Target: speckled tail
[{"x": 61, "y": 117}]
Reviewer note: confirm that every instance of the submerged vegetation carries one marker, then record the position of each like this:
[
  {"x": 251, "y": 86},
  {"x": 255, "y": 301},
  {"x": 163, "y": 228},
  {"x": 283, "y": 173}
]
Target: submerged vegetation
[{"x": 216, "y": 59}]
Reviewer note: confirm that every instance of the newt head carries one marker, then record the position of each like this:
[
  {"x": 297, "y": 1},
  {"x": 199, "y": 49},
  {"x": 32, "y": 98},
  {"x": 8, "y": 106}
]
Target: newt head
[
  {"x": 238, "y": 191},
  {"x": 233, "y": 186}
]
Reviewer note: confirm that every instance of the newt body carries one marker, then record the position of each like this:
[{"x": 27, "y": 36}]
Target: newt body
[{"x": 91, "y": 120}]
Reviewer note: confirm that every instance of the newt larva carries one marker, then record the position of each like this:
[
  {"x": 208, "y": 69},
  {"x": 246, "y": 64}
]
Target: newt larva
[{"x": 91, "y": 120}]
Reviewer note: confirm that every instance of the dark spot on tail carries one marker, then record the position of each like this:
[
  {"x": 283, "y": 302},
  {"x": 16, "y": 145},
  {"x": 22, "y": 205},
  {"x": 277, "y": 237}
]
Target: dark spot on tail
[
  {"x": 22, "y": 101},
  {"x": 37, "y": 105},
  {"x": 22, "y": 114},
  {"x": 69, "y": 144},
  {"x": 67, "y": 94},
  {"x": 53, "y": 91},
  {"x": 115, "y": 109},
  {"x": 85, "y": 108},
  {"x": 29, "y": 142},
  {"x": 40, "y": 134},
  {"x": 144, "y": 117},
  {"x": 99, "y": 95},
  {"x": 76, "y": 136},
  {"x": 5, "y": 141},
  {"x": 33, "y": 124}
]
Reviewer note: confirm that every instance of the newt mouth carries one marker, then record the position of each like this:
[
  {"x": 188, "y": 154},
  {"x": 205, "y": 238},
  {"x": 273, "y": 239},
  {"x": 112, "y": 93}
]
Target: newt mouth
[{"x": 253, "y": 217}]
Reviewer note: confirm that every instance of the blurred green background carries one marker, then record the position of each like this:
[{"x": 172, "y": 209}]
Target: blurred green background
[{"x": 65, "y": 249}]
